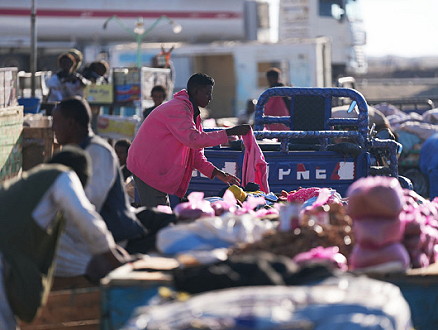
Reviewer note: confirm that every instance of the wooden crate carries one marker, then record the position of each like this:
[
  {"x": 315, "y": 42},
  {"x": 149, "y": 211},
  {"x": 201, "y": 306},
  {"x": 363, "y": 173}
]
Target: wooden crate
[
  {"x": 38, "y": 144},
  {"x": 73, "y": 304},
  {"x": 11, "y": 126}
]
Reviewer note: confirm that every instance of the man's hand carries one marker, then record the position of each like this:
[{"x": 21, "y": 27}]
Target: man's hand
[
  {"x": 226, "y": 177},
  {"x": 238, "y": 130},
  {"x": 102, "y": 264}
]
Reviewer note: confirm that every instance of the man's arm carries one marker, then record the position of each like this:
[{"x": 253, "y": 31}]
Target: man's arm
[
  {"x": 69, "y": 197},
  {"x": 71, "y": 200}
]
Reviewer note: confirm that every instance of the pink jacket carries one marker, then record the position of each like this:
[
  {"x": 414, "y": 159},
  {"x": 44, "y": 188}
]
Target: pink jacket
[
  {"x": 169, "y": 145},
  {"x": 255, "y": 168},
  {"x": 276, "y": 107}
]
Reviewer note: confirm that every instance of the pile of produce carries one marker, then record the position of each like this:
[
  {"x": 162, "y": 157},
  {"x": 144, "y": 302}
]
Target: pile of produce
[{"x": 310, "y": 234}]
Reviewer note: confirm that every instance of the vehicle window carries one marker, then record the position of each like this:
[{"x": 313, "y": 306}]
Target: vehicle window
[{"x": 331, "y": 8}]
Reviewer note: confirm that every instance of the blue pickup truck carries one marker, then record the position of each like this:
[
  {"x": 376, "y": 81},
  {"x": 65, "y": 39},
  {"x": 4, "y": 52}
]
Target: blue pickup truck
[{"x": 312, "y": 153}]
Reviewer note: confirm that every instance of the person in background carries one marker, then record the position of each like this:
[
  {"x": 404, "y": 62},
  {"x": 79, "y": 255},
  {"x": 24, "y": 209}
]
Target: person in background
[
  {"x": 246, "y": 116},
  {"x": 96, "y": 72},
  {"x": 121, "y": 147},
  {"x": 66, "y": 82},
  {"x": 276, "y": 106},
  {"x": 34, "y": 209},
  {"x": 428, "y": 163},
  {"x": 169, "y": 145},
  {"x": 78, "y": 56},
  {"x": 158, "y": 94}
]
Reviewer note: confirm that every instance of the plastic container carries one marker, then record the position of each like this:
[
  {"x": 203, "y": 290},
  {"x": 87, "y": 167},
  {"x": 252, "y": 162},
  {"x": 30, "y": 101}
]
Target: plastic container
[{"x": 30, "y": 104}]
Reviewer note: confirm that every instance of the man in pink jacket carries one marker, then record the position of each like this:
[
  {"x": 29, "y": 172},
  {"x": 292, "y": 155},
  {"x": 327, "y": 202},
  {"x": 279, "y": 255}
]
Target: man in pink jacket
[{"x": 169, "y": 145}]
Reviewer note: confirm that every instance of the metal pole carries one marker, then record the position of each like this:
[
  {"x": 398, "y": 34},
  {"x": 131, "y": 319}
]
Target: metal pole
[
  {"x": 139, "y": 38},
  {"x": 33, "y": 50}
]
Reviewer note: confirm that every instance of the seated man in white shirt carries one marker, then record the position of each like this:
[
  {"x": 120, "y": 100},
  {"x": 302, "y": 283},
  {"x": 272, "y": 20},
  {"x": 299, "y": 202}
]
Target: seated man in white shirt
[
  {"x": 34, "y": 209},
  {"x": 130, "y": 227}
]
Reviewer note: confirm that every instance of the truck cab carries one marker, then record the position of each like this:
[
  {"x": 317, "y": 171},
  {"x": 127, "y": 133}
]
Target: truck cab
[{"x": 340, "y": 20}]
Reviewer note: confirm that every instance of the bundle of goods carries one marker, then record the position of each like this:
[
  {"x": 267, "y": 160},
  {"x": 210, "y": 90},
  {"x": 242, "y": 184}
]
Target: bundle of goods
[
  {"x": 420, "y": 218},
  {"x": 320, "y": 240},
  {"x": 255, "y": 203},
  {"x": 381, "y": 227},
  {"x": 375, "y": 204},
  {"x": 393, "y": 227}
]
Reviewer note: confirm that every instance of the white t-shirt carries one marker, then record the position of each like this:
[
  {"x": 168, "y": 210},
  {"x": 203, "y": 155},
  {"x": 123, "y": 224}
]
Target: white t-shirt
[{"x": 60, "y": 90}]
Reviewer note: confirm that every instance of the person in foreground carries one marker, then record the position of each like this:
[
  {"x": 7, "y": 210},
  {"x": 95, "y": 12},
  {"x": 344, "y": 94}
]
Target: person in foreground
[
  {"x": 170, "y": 142},
  {"x": 34, "y": 209},
  {"x": 71, "y": 124}
]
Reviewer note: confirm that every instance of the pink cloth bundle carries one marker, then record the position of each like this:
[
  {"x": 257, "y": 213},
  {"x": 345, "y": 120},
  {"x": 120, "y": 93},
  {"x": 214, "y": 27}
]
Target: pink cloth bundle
[
  {"x": 320, "y": 254},
  {"x": 375, "y": 233},
  {"x": 374, "y": 204},
  {"x": 378, "y": 196},
  {"x": 362, "y": 257},
  {"x": 195, "y": 208},
  {"x": 227, "y": 204},
  {"x": 303, "y": 194},
  {"x": 421, "y": 230}
]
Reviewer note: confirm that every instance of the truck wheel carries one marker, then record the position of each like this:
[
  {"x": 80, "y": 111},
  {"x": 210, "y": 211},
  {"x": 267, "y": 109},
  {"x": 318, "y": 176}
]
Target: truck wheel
[{"x": 419, "y": 181}]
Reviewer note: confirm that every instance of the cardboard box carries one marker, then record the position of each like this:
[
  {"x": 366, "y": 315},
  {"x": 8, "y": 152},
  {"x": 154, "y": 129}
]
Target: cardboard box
[
  {"x": 99, "y": 94},
  {"x": 115, "y": 127}
]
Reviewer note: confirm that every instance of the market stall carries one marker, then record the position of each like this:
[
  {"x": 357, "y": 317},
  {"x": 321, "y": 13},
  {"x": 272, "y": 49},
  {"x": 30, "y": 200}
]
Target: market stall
[
  {"x": 329, "y": 258},
  {"x": 117, "y": 107}
]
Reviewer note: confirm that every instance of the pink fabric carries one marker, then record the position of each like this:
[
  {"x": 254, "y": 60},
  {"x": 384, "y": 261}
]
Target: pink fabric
[
  {"x": 330, "y": 254},
  {"x": 169, "y": 145},
  {"x": 276, "y": 107},
  {"x": 196, "y": 207},
  {"x": 303, "y": 194},
  {"x": 254, "y": 164},
  {"x": 227, "y": 204}
]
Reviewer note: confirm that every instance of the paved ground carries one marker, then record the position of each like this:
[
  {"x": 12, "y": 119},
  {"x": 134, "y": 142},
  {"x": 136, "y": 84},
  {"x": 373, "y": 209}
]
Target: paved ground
[{"x": 399, "y": 89}]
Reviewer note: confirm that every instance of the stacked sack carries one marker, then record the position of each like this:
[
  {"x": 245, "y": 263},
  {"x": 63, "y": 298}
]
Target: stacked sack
[
  {"x": 421, "y": 229},
  {"x": 375, "y": 204}
]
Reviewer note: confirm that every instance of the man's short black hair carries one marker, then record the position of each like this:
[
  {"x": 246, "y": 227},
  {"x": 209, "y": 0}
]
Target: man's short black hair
[
  {"x": 199, "y": 80},
  {"x": 159, "y": 88},
  {"x": 273, "y": 73},
  {"x": 76, "y": 108},
  {"x": 125, "y": 143},
  {"x": 75, "y": 158}
]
